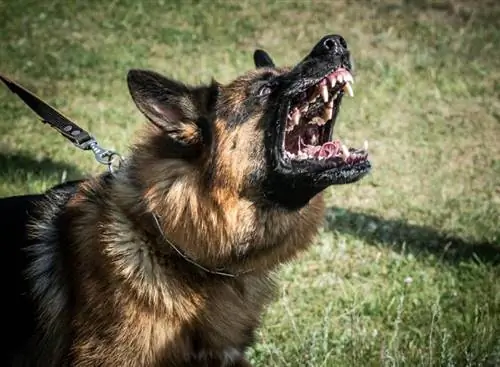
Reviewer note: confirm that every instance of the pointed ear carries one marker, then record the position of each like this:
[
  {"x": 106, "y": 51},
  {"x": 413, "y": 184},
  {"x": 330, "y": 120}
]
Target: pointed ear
[
  {"x": 172, "y": 106},
  {"x": 262, "y": 59},
  {"x": 163, "y": 101}
]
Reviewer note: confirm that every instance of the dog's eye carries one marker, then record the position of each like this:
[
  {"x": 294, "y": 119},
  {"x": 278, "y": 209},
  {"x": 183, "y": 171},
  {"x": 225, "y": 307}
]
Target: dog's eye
[{"x": 264, "y": 91}]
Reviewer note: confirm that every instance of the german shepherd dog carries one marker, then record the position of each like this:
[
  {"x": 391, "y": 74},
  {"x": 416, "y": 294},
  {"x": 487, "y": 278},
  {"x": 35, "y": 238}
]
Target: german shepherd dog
[{"x": 168, "y": 261}]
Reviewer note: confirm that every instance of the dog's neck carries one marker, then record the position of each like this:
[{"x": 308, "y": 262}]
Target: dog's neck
[
  {"x": 156, "y": 231},
  {"x": 216, "y": 272},
  {"x": 235, "y": 239}
]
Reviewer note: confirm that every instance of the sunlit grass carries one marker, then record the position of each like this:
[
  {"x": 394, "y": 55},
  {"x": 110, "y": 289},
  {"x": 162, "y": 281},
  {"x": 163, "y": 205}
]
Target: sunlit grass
[{"x": 405, "y": 271}]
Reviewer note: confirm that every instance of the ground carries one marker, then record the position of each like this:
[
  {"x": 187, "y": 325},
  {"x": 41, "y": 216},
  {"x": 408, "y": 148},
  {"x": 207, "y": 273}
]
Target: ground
[{"x": 406, "y": 269}]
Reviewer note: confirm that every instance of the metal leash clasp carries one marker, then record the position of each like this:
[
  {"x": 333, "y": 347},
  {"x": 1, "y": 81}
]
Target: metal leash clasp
[
  {"x": 67, "y": 128},
  {"x": 104, "y": 156}
]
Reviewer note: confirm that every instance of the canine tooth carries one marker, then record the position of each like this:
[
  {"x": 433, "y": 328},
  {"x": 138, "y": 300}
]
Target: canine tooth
[
  {"x": 345, "y": 151},
  {"x": 333, "y": 81},
  {"x": 348, "y": 78},
  {"x": 348, "y": 89},
  {"x": 328, "y": 112},
  {"x": 296, "y": 117},
  {"x": 324, "y": 93},
  {"x": 305, "y": 108},
  {"x": 365, "y": 145}
]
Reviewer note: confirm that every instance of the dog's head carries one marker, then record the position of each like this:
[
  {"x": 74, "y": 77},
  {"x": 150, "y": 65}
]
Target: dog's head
[{"x": 267, "y": 136}]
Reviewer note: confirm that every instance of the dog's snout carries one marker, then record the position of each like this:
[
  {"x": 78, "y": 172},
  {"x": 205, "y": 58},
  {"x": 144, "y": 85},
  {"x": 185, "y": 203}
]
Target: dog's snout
[
  {"x": 330, "y": 45},
  {"x": 336, "y": 44},
  {"x": 332, "y": 49}
]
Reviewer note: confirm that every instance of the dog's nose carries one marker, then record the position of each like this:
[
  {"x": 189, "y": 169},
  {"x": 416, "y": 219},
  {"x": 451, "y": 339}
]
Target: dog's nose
[
  {"x": 331, "y": 44},
  {"x": 329, "y": 53},
  {"x": 335, "y": 43}
]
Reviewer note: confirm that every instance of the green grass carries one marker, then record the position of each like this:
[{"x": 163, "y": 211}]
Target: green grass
[{"x": 406, "y": 270}]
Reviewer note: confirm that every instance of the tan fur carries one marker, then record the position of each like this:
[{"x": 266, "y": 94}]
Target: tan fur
[{"x": 137, "y": 305}]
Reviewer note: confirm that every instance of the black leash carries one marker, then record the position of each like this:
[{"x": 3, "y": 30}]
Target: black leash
[{"x": 71, "y": 131}]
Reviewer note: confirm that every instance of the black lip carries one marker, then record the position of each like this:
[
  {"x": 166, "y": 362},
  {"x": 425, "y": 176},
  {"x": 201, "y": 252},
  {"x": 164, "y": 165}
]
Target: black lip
[{"x": 303, "y": 84}]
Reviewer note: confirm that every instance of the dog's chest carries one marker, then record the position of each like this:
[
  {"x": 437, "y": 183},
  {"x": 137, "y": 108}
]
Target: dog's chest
[
  {"x": 223, "y": 325},
  {"x": 209, "y": 340},
  {"x": 178, "y": 315}
]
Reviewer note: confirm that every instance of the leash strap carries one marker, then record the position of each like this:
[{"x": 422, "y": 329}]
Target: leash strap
[{"x": 71, "y": 131}]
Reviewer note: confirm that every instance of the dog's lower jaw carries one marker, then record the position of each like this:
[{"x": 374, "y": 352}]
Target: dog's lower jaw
[{"x": 291, "y": 197}]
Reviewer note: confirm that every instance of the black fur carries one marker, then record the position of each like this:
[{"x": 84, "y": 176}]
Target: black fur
[{"x": 19, "y": 316}]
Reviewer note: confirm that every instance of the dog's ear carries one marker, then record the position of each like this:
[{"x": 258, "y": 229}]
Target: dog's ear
[
  {"x": 262, "y": 59},
  {"x": 170, "y": 105}
]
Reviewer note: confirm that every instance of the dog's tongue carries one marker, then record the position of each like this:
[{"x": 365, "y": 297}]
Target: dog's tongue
[{"x": 327, "y": 150}]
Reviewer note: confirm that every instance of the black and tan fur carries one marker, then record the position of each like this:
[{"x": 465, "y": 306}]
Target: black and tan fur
[{"x": 101, "y": 283}]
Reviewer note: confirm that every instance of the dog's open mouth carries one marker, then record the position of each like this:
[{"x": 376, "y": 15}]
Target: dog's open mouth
[{"x": 308, "y": 135}]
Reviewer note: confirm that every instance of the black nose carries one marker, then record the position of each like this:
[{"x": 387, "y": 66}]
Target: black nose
[{"x": 332, "y": 44}]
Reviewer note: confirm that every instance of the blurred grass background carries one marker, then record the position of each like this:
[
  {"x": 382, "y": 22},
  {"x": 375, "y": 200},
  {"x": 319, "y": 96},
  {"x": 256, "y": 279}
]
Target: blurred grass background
[{"x": 406, "y": 269}]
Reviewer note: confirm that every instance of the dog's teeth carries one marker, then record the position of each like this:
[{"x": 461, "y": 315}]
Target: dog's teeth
[
  {"x": 301, "y": 155},
  {"x": 324, "y": 93},
  {"x": 328, "y": 111},
  {"x": 340, "y": 78},
  {"x": 365, "y": 145},
  {"x": 327, "y": 114},
  {"x": 296, "y": 117},
  {"x": 348, "y": 78},
  {"x": 333, "y": 81},
  {"x": 348, "y": 89},
  {"x": 305, "y": 108},
  {"x": 317, "y": 121},
  {"x": 345, "y": 151}
]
